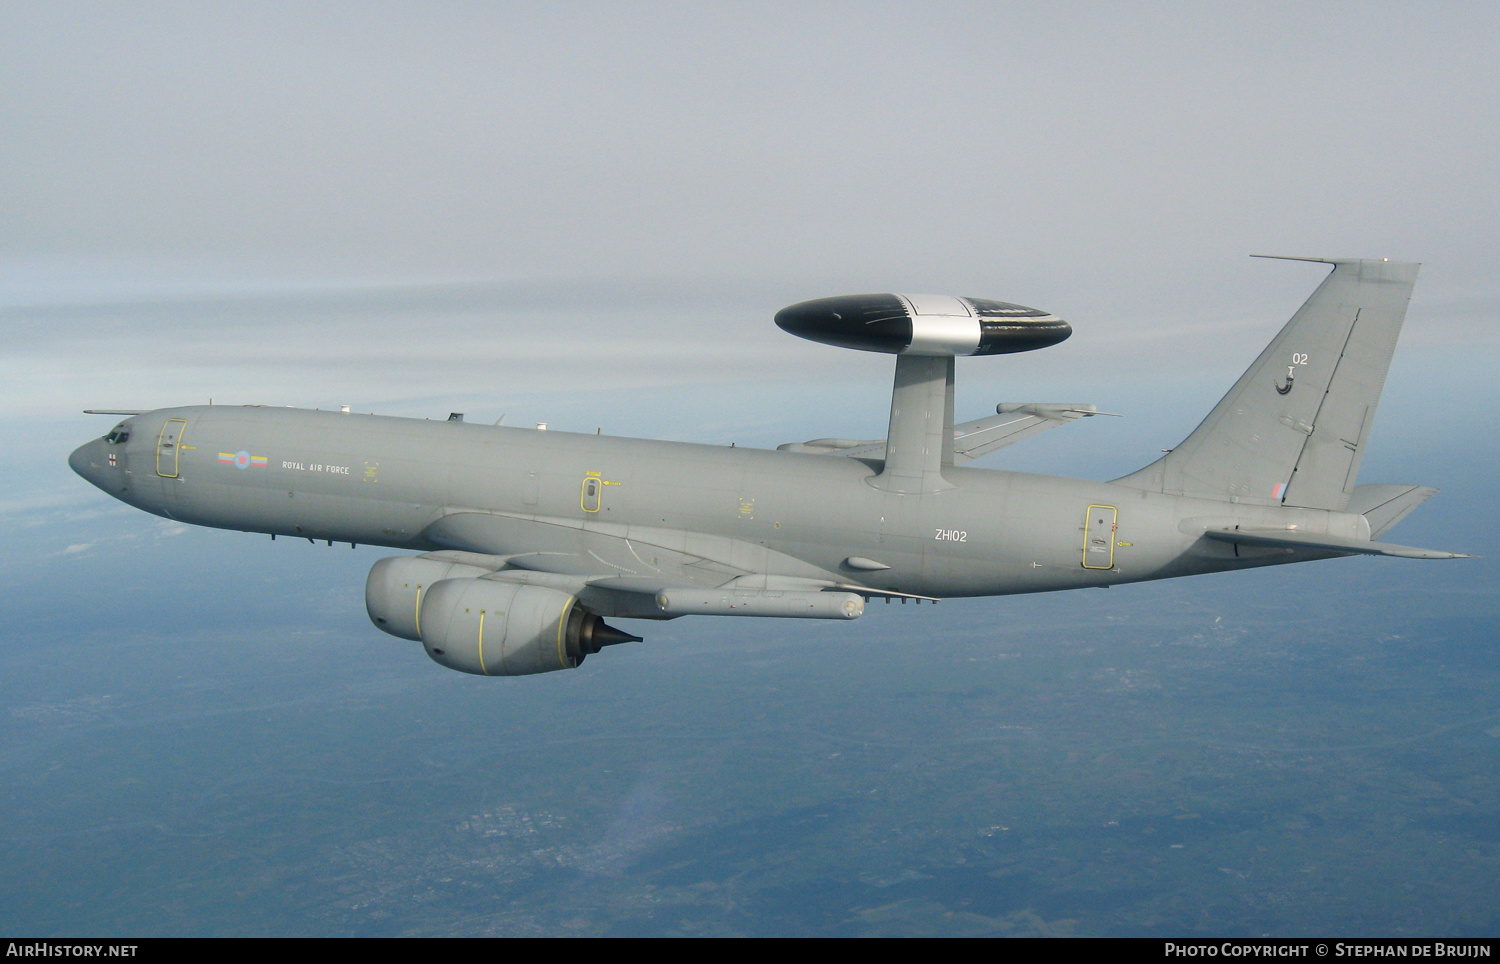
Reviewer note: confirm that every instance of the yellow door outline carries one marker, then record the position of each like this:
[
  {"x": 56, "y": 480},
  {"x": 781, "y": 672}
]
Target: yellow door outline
[
  {"x": 1103, "y": 555},
  {"x": 176, "y": 446},
  {"x": 589, "y": 492}
]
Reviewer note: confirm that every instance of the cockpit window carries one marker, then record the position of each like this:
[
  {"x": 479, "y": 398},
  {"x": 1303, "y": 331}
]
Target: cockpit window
[{"x": 119, "y": 435}]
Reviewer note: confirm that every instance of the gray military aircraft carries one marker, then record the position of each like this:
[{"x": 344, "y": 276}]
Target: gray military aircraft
[{"x": 528, "y": 538}]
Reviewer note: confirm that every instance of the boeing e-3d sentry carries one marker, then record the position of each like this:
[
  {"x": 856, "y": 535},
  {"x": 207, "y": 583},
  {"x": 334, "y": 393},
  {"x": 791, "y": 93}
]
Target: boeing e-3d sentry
[{"x": 528, "y": 539}]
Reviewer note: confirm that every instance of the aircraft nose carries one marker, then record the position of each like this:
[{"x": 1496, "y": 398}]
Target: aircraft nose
[{"x": 85, "y": 461}]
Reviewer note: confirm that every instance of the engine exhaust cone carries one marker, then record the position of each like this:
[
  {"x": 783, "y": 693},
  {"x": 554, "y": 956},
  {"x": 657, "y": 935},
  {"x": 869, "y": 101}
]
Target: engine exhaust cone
[
  {"x": 605, "y": 635},
  {"x": 592, "y": 635}
]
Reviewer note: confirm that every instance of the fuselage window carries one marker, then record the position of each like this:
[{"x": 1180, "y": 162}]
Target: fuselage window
[{"x": 117, "y": 437}]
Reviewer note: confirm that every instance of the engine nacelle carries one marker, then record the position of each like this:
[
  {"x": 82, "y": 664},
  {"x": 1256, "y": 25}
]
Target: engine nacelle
[
  {"x": 484, "y": 626},
  {"x": 494, "y": 628},
  {"x": 394, "y": 590}
]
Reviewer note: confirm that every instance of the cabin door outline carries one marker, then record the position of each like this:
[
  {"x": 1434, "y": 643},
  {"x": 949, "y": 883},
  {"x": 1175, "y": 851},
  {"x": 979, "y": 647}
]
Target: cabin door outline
[
  {"x": 1100, "y": 524},
  {"x": 168, "y": 444}
]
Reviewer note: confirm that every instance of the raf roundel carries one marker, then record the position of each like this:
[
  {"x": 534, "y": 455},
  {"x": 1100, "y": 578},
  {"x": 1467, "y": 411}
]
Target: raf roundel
[
  {"x": 933, "y": 325},
  {"x": 243, "y": 460}
]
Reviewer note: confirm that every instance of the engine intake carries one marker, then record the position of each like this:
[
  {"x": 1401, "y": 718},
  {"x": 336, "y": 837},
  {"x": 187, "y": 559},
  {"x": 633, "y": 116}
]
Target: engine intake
[{"x": 394, "y": 590}]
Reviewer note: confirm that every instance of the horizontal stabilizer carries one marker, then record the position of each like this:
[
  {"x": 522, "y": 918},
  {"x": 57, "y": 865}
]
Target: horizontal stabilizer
[
  {"x": 1012, "y": 422},
  {"x": 1385, "y": 505},
  {"x": 1323, "y": 542}
]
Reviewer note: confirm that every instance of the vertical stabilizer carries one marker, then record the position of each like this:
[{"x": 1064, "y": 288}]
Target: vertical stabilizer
[
  {"x": 1293, "y": 429},
  {"x": 920, "y": 441}
]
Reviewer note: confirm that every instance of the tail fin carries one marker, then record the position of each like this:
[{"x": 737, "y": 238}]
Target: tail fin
[{"x": 1293, "y": 429}]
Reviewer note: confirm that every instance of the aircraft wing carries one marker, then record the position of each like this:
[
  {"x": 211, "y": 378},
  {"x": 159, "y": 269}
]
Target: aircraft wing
[
  {"x": 872, "y": 448},
  {"x": 1011, "y": 422},
  {"x": 1322, "y": 542},
  {"x": 643, "y": 571}
]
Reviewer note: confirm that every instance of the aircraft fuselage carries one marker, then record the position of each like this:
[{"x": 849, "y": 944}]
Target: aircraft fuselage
[{"x": 387, "y": 481}]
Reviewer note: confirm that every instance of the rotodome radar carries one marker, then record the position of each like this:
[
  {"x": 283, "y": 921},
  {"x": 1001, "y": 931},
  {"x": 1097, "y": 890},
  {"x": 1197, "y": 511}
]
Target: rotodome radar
[{"x": 940, "y": 325}]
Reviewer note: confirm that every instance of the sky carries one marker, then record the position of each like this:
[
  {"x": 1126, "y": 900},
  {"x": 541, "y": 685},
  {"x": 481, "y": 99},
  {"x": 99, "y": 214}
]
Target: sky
[
  {"x": 697, "y": 166},
  {"x": 587, "y": 214},
  {"x": 577, "y": 213}
]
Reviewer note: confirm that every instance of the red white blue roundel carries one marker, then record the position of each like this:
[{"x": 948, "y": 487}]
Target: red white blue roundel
[{"x": 242, "y": 460}]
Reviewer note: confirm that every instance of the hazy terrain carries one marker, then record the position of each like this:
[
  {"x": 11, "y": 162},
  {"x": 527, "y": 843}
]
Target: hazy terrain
[{"x": 202, "y": 734}]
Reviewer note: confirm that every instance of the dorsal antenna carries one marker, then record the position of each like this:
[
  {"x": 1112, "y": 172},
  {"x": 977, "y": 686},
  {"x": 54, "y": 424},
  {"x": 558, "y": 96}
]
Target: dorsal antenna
[{"x": 925, "y": 333}]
